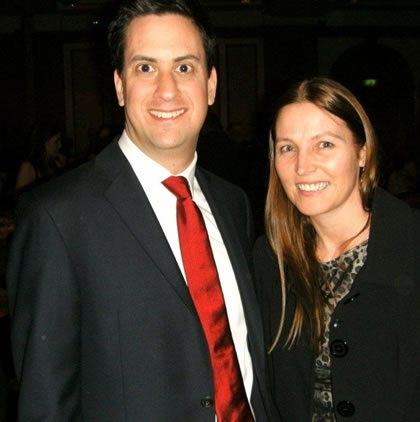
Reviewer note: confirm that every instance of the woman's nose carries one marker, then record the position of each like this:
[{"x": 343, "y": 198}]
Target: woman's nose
[{"x": 304, "y": 163}]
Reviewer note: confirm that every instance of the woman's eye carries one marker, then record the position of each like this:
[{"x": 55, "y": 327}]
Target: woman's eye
[
  {"x": 184, "y": 68},
  {"x": 285, "y": 148},
  {"x": 326, "y": 144}
]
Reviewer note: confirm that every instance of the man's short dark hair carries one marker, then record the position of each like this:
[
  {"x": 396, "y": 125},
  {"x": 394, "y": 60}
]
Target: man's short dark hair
[{"x": 132, "y": 9}]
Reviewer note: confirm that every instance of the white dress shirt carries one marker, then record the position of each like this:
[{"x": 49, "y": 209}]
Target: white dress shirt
[{"x": 151, "y": 175}]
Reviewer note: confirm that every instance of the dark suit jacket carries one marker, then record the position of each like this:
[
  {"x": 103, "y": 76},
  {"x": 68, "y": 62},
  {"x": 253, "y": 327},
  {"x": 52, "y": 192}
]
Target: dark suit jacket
[
  {"x": 379, "y": 322},
  {"x": 103, "y": 327}
]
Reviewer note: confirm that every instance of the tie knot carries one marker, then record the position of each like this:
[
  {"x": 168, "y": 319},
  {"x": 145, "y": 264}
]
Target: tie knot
[{"x": 178, "y": 185}]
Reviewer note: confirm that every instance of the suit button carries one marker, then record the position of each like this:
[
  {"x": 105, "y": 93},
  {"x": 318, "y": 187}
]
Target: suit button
[
  {"x": 345, "y": 408},
  {"x": 207, "y": 402},
  {"x": 339, "y": 348}
]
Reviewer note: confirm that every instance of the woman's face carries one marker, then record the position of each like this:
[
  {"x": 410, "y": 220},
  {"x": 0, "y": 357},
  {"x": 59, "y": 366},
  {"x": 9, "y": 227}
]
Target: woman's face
[
  {"x": 318, "y": 161},
  {"x": 53, "y": 145}
]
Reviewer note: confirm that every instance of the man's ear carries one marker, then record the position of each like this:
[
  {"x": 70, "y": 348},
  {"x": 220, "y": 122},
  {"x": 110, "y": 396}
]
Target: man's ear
[
  {"x": 211, "y": 86},
  {"x": 119, "y": 88}
]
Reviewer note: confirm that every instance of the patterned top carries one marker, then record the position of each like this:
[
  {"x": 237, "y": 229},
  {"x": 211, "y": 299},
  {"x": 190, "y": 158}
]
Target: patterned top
[{"x": 340, "y": 273}]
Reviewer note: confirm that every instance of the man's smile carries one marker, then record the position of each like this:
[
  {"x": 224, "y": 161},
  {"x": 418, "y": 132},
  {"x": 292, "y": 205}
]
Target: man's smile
[{"x": 167, "y": 114}]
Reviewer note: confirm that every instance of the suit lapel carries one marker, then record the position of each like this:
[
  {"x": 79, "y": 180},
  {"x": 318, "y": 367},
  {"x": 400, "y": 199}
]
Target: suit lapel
[
  {"x": 222, "y": 213},
  {"x": 225, "y": 219},
  {"x": 126, "y": 195}
]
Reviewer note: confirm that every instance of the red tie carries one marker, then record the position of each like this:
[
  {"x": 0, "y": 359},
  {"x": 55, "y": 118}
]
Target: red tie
[{"x": 231, "y": 402}]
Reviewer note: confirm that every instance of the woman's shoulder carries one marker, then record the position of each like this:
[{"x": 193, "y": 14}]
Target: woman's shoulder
[
  {"x": 394, "y": 211},
  {"x": 263, "y": 250},
  {"x": 266, "y": 267}
]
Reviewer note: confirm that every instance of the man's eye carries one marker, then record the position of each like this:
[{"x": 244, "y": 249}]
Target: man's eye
[
  {"x": 145, "y": 68},
  {"x": 184, "y": 68}
]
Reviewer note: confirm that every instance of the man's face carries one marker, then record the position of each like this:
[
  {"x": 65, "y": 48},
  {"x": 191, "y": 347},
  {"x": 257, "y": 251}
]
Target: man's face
[{"x": 165, "y": 87}]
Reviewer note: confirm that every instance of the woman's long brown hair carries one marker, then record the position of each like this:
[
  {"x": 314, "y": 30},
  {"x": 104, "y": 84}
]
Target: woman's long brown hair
[{"x": 290, "y": 233}]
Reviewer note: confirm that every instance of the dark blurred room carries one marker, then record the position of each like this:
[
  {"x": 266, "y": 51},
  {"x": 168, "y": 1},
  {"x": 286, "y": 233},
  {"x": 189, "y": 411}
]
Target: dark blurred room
[
  {"x": 55, "y": 65},
  {"x": 55, "y": 68}
]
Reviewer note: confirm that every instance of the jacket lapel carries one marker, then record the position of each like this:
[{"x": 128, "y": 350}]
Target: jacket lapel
[
  {"x": 126, "y": 195},
  {"x": 226, "y": 221}
]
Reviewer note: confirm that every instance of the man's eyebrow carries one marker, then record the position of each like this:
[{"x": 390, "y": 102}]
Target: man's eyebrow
[
  {"x": 140, "y": 58},
  {"x": 187, "y": 57}
]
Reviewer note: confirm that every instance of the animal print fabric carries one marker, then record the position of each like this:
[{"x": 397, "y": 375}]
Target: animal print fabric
[{"x": 340, "y": 274}]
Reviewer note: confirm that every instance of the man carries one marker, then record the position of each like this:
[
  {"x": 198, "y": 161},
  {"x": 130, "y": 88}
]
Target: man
[{"x": 104, "y": 325}]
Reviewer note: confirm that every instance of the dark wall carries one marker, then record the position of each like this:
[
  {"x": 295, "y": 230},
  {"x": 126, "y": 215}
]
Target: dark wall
[{"x": 34, "y": 86}]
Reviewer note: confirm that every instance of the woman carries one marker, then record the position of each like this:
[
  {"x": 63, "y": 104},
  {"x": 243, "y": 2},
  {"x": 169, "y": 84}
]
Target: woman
[
  {"x": 338, "y": 274},
  {"x": 45, "y": 159}
]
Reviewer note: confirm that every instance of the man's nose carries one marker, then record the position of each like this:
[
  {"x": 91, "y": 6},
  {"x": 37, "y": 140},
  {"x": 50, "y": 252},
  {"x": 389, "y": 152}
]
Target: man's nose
[{"x": 167, "y": 86}]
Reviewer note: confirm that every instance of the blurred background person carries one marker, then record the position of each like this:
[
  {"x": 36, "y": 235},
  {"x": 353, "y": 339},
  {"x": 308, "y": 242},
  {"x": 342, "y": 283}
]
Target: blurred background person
[
  {"x": 403, "y": 182},
  {"x": 337, "y": 274},
  {"x": 404, "y": 178},
  {"x": 218, "y": 152},
  {"x": 100, "y": 138},
  {"x": 45, "y": 159}
]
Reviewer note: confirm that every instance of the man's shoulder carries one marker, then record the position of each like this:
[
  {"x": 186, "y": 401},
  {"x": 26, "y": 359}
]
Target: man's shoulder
[
  {"x": 215, "y": 182},
  {"x": 75, "y": 191},
  {"x": 79, "y": 184},
  {"x": 70, "y": 184}
]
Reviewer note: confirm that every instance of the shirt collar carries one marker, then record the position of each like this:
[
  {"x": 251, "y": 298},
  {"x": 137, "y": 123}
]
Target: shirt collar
[{"x": 148, "y": 171}]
